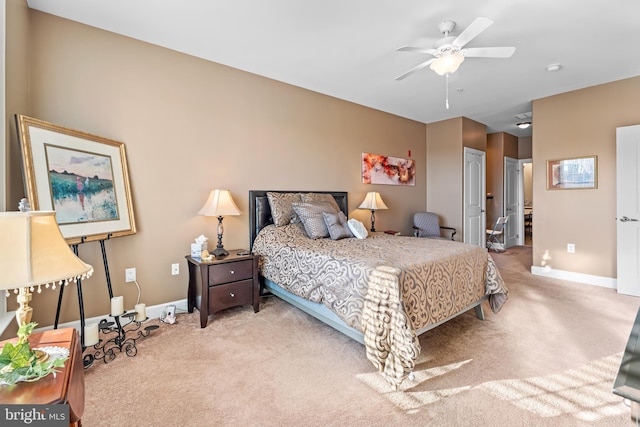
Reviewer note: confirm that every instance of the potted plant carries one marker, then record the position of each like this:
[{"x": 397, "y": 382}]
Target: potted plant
[{"x": 18, "y": 362}]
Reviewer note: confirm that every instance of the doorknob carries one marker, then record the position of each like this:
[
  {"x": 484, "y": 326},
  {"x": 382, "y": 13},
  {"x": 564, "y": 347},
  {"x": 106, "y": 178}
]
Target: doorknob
[{"x": 627, "y": 219}]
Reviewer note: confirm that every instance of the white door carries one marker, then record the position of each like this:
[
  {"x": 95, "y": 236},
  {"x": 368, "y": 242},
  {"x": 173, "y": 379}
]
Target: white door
[
  {"x": 511, "y": 209},
  {"x": 475, "y": 199},
  {"x": 628, "y": 209}
]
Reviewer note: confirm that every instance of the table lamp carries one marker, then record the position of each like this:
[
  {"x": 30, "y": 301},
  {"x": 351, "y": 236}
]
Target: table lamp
[
  {"x": 33, "y": 253},
  {"x": 373, "y": 202},
  {"x": 219, "y": 204}
]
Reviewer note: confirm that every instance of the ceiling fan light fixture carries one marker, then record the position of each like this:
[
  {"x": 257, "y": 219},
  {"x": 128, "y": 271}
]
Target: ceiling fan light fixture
[
  {"x": 523, "y": 125},
  {"x": 447, "y": 63}
]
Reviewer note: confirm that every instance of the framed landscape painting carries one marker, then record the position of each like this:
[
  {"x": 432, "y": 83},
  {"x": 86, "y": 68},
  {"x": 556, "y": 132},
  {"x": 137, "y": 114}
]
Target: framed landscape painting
[
  {"x": 572, "y": 173},
  {"x": 82, "y": 177}
]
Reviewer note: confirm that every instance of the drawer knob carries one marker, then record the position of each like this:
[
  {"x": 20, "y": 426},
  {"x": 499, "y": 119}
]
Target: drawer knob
[
  {"x": 232, "y": 295},
  {"x": 233, "y": 272}
]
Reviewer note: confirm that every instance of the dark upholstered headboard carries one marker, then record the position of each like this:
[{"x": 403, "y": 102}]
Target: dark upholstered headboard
[{"x": 260, "y": 210}]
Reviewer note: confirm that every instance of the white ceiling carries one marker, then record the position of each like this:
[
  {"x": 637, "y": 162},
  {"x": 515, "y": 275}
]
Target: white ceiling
[{"x": 347, "y": 48}]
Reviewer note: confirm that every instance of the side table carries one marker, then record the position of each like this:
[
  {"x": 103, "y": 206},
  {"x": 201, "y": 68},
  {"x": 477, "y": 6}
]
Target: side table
[
  {"x": 222, "y": 283},
  {"x": 66, "y": 387}
]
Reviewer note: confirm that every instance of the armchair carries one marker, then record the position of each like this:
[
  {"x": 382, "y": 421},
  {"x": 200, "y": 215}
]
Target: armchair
[{"x": 427, "y": 224}]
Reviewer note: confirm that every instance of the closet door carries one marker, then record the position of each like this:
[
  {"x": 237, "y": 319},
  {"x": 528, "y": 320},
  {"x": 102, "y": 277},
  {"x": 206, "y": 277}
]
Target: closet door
[
  {"x": 628, "y": 209},
  {"x": 475, "y": 199}
]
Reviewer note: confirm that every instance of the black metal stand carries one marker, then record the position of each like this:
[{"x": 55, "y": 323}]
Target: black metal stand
[
  {"x": 74, "y": 247},
  {"x": 118, "y": 339},
  {"x": 105, "y": 349}
]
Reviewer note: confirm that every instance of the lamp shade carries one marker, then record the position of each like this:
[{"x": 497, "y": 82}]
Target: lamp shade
[
  {"x": 373, "y": 202},
  {"x": 219, "y": 203},
  {"x": 33, "y": 252},
  {"x": 447, "y": 63}
]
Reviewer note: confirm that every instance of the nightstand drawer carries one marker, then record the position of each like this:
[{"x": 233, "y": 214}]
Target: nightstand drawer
[
  {"x": 230, "y": 295},
  {"x": 230, "y": 272},
  {"x": 223, "y": 283}
]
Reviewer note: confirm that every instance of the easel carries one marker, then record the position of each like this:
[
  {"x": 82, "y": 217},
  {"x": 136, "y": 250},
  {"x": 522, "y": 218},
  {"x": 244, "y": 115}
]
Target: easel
[
  {"x": 74, "y": 247},
  {"x": 120, "y": 341}
]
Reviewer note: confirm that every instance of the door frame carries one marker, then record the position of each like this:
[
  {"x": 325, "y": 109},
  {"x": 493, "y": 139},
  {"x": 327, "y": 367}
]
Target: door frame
[
  {"x": 521, "y": 163},
  {"x": 516, "y": 220}
]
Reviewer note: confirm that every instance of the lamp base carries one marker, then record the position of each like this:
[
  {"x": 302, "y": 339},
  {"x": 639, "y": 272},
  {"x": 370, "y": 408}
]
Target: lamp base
[
  {"x": 24, "y": 312},
  {"x": 220, "y": 251}
]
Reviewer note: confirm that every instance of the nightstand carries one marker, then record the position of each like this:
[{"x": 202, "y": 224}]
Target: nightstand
[{"x": 222, "y": 283}]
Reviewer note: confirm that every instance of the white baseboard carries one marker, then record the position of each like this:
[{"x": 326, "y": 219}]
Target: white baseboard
[
  {"x": 588, "y": 279},
  {"x": 153, "y": 312}
]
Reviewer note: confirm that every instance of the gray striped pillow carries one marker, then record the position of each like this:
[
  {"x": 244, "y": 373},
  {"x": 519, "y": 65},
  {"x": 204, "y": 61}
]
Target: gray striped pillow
[{"x": 311, "y": 216}]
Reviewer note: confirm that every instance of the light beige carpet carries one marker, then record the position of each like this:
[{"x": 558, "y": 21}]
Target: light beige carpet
[{"x": 549, "y": 358}]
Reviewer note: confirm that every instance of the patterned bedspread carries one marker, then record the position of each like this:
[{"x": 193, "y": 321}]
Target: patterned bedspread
[{"x": 386, "y": 286}]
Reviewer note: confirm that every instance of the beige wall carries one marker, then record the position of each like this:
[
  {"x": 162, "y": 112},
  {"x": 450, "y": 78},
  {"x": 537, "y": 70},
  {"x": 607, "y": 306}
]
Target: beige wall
[
  {"x": 444, "y": 172},
  {"x": 580, "y": 123},
  {"x": 190, "y": 126},
  {"x": 446, "y": 140},
  {"x": 17, "y": 83},
  {"x": 524, "y": 147}
]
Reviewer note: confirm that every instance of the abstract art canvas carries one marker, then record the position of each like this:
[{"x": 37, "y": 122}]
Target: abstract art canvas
[{"x": 379, "y": 169}]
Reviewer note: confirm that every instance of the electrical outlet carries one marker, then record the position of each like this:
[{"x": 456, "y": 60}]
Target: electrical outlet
[
  {"x": 175, "y": 269},
  {"x": 571, "y": 248},
  {"x": 130, "y": 275}
]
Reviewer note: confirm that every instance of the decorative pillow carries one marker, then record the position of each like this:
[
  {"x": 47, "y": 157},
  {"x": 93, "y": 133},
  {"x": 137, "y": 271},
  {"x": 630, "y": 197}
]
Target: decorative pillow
[
  {"x": 311, "y": 216},
  {"x": 337, "y": 225},
  {"x": 357, "y": 228},
  {"x": 320, "y": 197},
  {"x": 281, "y": 210}
]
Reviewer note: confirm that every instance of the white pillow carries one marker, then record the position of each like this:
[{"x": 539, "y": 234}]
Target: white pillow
[{"x": 357, "y": 228}]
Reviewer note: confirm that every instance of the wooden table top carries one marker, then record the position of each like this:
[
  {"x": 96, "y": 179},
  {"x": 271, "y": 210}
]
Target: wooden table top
[{"x": 67, "y": 386}]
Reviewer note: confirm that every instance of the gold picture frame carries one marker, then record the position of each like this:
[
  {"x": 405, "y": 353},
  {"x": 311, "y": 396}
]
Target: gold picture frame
[
  {"x": 575, "y": 173},
  {"x": 82, "y": 177}
]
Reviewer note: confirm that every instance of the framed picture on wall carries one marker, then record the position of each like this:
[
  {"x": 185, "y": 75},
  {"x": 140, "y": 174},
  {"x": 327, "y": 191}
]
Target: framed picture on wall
[
  {"x": 572, "y": 173},
  {"x": 82, "y": 177},
  {"x": 379, "y": 169}
]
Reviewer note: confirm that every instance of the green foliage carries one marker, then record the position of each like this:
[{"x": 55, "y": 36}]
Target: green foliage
[{"x": 19, "y": 363}]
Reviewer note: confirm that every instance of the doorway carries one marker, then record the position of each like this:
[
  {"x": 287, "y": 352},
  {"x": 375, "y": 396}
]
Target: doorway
[{"x": 526, "y": 174}]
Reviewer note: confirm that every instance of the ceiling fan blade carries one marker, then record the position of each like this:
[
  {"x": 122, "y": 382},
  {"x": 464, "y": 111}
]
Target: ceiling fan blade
[
  {"x": 416, "y": 68},
  {"x": 489, "y": 52},
  {"x": 416, "y": 49},
  {"x": 472, "y": 31}
]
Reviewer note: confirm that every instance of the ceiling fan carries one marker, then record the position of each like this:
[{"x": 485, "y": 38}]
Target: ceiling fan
[{"x": 449, "y": 52}]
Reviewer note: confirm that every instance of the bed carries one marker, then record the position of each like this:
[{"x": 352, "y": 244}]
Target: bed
[{"x": 382, "y": 290}]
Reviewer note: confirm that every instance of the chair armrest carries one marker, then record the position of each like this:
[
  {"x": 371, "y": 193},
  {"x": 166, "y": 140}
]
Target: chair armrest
[{"x": 442, "y": 227}]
